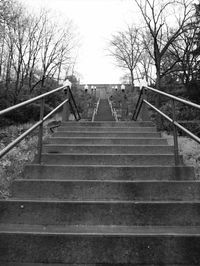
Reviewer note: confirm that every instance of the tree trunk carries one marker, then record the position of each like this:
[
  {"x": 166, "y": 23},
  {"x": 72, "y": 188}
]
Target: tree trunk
[
  {"x": 158, "y": 99},
  {"x": 132, "y": 80},
  {"x": 158, "y": 87}
]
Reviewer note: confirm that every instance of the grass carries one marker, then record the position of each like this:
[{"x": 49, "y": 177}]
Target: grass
[{"x": 189, "y": 149}]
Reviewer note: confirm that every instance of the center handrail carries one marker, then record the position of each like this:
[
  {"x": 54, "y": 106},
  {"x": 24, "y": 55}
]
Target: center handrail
[
  {"x": 95, "y": 110},
  {"x": 42, "y": 119},
  {"x": 114, "y": 113},
  {"x": 142, "y": 99}
]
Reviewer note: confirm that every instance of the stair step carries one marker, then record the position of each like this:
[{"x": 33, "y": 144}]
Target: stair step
[
  {"x": 106, "y": 134},
  {"x": 107, "y": 190},
  {"x": 83, "y": 264},
  {"x": 109, "y": 124},
  {"x": 122, "y": 213},
  {"x": 143, "y": 149},
  {"x": 119, "y": 245},
  {"x": 108, "y": 172},
  {"x": 99, "y": 230},
  {"x": 107, "y": 159},
  {"x": 118, "y": 141},
  {"x": 106, "y": 129}
]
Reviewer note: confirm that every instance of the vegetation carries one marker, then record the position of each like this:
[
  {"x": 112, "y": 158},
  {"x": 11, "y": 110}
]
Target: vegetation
[
  {"x": 12, "y": 164},
  {"x": 164, "y": 49},
  {"x": 189, "y": 149},
  {"x": 36, "y": 56},
  {"x": 124, "y": 102}
]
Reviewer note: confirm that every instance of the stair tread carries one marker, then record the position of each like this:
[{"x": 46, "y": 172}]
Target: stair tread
[
  {"x": 100, "y": 230},
  {"x": 106, "y": 138},
  {"x": 96, "y": 127},
  {"x": 154, "y": 181},
  {"x": 113, "y": 166},
  {"x": 105, "y": 145},
  {"x": 95, "y": 202},
  {"x": 101, "y": 131},
  {"x": 107, "y": 154}
]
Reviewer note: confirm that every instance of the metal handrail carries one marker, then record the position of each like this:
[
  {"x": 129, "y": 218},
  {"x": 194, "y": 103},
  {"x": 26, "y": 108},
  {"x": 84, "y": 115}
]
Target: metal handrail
[
  {"x": 42, "y": 118},
  {"x": 171, "y": 120},
  {"x": 9, "y": 109},
  {"x": 194, "y": 137},
  {"x": 74, "y": 102},
  {"x": 173, "y": 97},
  {"x": 137, "y": 110},
  {"x": 114, "y": 113},
  {"x": 95, "y": 110}
]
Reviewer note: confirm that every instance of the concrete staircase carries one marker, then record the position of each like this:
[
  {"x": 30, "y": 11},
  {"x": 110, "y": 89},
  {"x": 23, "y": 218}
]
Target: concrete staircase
[
  {"x": 104, "y": 112},
  {"x": 107, "y": 193}
]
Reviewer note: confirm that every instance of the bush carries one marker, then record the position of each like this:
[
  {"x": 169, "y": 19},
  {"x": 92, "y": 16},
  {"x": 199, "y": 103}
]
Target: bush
[
  {"x": 25, "y": 114},
  {"x": 12, "y": 164},
  {"x": 183, "y": 113}
]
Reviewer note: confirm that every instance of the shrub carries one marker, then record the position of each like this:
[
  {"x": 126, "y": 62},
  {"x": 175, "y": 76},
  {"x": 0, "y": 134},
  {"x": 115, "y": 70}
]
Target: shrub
[
  {"x": 183, "y": 113},
  {"x": 25, "y": 114},
  {"x": 12, "y": 164}
]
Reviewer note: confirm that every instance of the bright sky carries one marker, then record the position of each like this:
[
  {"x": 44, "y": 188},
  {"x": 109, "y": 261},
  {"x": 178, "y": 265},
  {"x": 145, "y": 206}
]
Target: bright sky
[{"x": 96, "y": 21}]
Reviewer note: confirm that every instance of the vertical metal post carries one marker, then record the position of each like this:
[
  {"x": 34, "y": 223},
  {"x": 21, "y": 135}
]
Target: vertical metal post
[
  {"x": 40, "y": 133},
  {"x": 145, "y": 116},
  {"x": 65, "y": 112},
  {"x": 176, "y": 153}
]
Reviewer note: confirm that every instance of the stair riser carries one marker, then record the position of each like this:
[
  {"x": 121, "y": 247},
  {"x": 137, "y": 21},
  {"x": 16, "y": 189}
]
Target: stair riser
[
  {"x": 107, "y": 141},
  {"x": 86, "y": 190},
  {"x": 84, "y": 159},
  {"x": 106, "y": 134},
  {"x": 96, "y": 213},
  {"x": 107, "y": 129},
  {"x": 108, "y": 173},
  {"x": 108, "y": 149},
  {"x": 137, "y": 250}
]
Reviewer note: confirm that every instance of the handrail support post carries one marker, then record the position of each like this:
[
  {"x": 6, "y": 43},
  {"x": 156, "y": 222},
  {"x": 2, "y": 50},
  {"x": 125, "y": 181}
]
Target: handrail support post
[
  {"x": 65, "y": 112},
  {"x": 175, "y": 135},
  {"x": 145, "y": 116},
  {"x": 40, "y": 133}
]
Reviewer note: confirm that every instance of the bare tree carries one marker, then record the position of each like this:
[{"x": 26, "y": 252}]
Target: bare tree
[
  {"x": 33, "y": 49},
  {"x": 145, "y": 68},
  {"x": 181, "y": 51},
  {"x": 56, "y": 49},
  {"x": 125, "y": 47},
  {"x": 158, "y": 15}
]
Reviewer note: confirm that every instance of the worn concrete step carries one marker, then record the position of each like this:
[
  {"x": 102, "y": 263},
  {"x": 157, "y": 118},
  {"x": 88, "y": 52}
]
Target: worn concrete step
[
  {"x": 107, "y": 159},
  {"x": 106, "y": 129},
  {"x": 109, "y": 124},
  {"x": 107, "y": 190},
  {"x": 143, "y": 149},
  {"x": 78, "y": 264},
  {"x": 107, "y": 141},
  {"x": 108, "y": 172},
  {"x": 123, "y": 213},
  {"x": 127, "y": 246},
  {"x": 107, "y": 134},
  {"x": 84, "y": 264}
]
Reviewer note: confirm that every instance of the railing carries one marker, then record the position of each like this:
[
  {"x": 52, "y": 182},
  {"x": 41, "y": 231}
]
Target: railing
[
  {"x": 143, "y": 100},
  {"x": 68, "y": 102},
  {"x": 114, "y": 113},
  {"x": 95, "y": 110}
]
